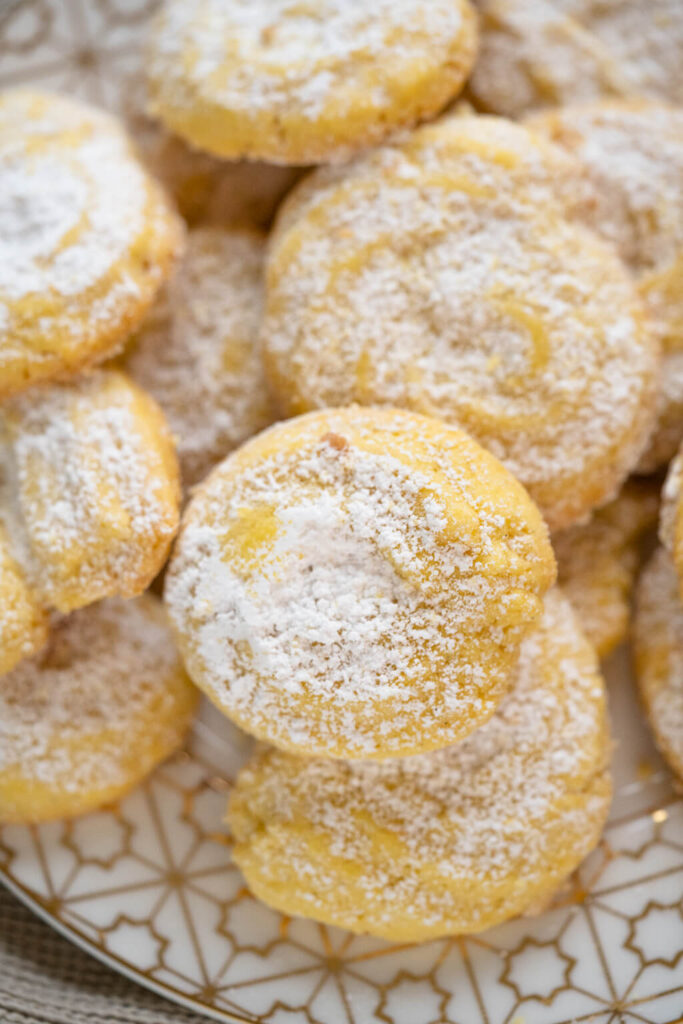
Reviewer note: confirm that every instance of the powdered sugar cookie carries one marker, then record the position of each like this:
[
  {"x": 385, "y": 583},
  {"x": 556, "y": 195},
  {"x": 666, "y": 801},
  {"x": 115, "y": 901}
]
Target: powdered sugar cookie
[
  {"x": 548, "y": 53},
  {"x": 86, "y": 237},
  {"x": 86, "y": 719},
  {"x": 198, "y": 352},
  {"x": 453, "y": 285},
  {"x": 443, "y": 843},
  {"x": 23, "y": 622},
  {"x": 486, "y": 155},
  {"x": 355, "y": 583},
  {"x": 659, "y": 655},
  {"x": 644, "y": 40},
  {"x": 93, "y": 484},
  {"x": 633, "y": 153},
  {"x": 313, "y": 82},
  {"x": 597, "y": 563}
]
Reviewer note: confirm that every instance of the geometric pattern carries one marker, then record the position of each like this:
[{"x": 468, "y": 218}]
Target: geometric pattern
[{"x": 148, "y": 885}]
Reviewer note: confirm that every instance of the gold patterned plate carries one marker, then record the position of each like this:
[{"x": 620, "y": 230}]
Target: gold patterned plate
[{"x": 148, "y": 886}]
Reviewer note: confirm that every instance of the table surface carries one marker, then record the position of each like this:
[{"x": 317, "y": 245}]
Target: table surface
[{"x": 46, "y": 980}]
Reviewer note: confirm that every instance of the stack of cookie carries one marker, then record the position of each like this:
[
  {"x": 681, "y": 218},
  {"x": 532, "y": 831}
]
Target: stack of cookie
[{"x": 459, "y": 326}]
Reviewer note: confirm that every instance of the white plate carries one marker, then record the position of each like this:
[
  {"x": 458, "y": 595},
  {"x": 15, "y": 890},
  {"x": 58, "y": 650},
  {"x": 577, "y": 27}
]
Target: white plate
[{"x": 148, "y": 885}]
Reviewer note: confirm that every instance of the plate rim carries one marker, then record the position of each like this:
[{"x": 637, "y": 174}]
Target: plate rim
[
  {"x": 176, "y": 996},
  {"x": 111, "y": 960}
]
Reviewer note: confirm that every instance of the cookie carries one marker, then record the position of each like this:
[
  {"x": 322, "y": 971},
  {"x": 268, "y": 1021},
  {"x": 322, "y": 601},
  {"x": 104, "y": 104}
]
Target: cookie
[
  {"x": 85, "y": 720},
  {"x": 550, "y": 53},
  {"x": 356, "y": 583},
  {"x": 298, "y": 83},
  {"x": 198, "y": 353},
  {"x": 454, "y": 285},
  {"x": 633, "y": 153},
  {"x": 23, "y": 622},
  {"x": 93, "y": 488},
  {"x": 86, "y": 238},
  {"x": 597, "y": 563},
  {"x": 659, "y": 655},
  {"x": 484, "y": 154},
  {"x": 450, "y": 842}
]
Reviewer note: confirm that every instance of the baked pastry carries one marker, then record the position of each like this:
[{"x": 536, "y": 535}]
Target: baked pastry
[
  {"x": 93, "y": 488},
  {"x": 659, "y": 655},
  {"x": 444, "y": 282},
  {"x": 449, "y": 842},
  {"x": 198, "y": 353},
  {"x": 486, "y": 155},
  {"x": 597, "y": 562},
  {"x": 85, "y": 720},
  {"x": 633, "y": 153},
  {"x": 86, "y": 237},
  {"x": 547, "y": 53},
  {"x": 298, "y": 83},
  {"x": 356, "y": 583},
  {"x": 23, "y": 622}
]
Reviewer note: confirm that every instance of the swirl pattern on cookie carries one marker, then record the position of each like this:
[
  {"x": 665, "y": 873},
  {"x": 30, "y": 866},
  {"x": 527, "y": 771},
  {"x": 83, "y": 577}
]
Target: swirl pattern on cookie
[
  {"x": 633, "y": 154},
  {"x": 85, "y": 720},
  {"x": 449, "y": 842},
  {"x": 305, "y": 82},
  {"x": 447, "y": 280},
  {"x": 355, "y": 583},
  {"x": 86, "y": 237},
  {"x": 550, "y": 53},
  {"x": 93, "y": 488}
]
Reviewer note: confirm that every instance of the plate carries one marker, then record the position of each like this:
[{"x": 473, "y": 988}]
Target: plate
[{"x": 148, "y": 885}]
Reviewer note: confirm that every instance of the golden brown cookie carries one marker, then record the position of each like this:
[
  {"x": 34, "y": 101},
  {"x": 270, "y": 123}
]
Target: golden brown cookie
[
  {"x": 356, "y": 583},
  {"x": 85, "y": 720},
  {"x": 550, "y": 53},
  {"x": 312, "y": 82},
  {"x": 441, "y": 275},
  {"x": 633, "y": 154},
  {"x": 450, "y": 842},
  {"x": 86, "y": 237},
  {"x": 93, "y": 489}
]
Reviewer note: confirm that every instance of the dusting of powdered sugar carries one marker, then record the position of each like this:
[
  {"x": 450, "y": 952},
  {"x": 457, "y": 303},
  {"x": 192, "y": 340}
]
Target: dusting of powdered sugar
[
  {"x": 69, "y": 716},
  {"x": 474, "y": 814},
  {"x": 72, "y": 198},
  {"x": 326, "y": 599},
  {"x": 546, "y": 53},
  {"x": 634, "y": 155},
  {"x": 659, "y": 654},
  {"x": 598, "y": 561},
  {"x": 199, "y": 353},
  {"x": 22, "y": 620},
  {"x": 253, "y": 55},
  {"x": 440, "y": 289},
  {"x": 93, "y": 501}
]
